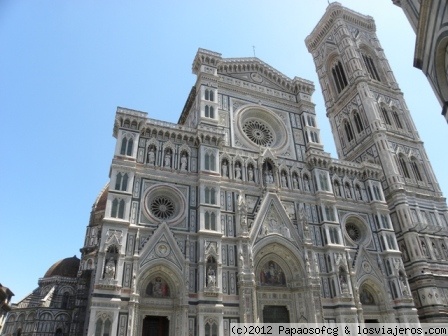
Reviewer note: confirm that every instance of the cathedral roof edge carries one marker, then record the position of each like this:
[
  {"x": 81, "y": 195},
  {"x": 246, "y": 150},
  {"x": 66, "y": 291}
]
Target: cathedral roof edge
[{"x": 334, "y": 12}]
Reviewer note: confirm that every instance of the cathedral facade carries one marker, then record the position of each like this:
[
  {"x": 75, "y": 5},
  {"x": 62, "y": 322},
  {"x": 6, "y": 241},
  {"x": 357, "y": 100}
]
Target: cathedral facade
[{"x": 237, "y": 214}]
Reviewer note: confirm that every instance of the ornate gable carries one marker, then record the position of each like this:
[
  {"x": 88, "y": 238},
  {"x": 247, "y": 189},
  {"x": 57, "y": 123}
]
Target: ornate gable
[
  {"x": 163, "y": 246},
  {"x": 272, "y": 219}
]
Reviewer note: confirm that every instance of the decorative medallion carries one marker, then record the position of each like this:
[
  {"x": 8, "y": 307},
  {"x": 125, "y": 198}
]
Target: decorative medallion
[
  {"x": 366, "y": 267},
  {"x": 162, "y": 250},
  {"x": 256, "y": 77}
]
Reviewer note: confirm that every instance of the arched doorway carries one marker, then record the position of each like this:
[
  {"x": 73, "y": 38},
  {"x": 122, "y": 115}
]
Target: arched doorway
[{"x": 155, "y": 326}]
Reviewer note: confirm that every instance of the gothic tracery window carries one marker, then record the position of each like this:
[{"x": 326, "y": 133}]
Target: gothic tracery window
[
  {"x": 126, "y": 146},
  {"x": 358, "y": 122},
  {"x": 416, "y": 170},
  {"x": 103, "y": 327},
  {"x": 209, "y": 112},
  {"x": 404, "y": 167},
  {"x": 368, "y": 61},
  {"x": 348, "y": 131},
  {"x": 397, "y": 119},
  {"x": 339, "y": 76},
  {"x": 121, "y": 182},
  {"x": 117, "y": 208},
  {"x": 385, "y": 115}
]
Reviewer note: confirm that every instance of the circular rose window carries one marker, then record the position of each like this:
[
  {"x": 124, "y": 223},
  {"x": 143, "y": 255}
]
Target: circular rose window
[
  {"x": 164, "y": 203},
  {"x": 353, "y": 231},
  {"x": 258, "y": 132},
  {"x": 258, "y": 126},
  {"x": 162, "y": 207}
]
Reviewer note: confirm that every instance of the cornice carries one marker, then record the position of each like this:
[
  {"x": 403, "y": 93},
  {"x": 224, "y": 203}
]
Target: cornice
[
  {"x": 253, "y": 64},
  {"x": 334, "y": 12}
]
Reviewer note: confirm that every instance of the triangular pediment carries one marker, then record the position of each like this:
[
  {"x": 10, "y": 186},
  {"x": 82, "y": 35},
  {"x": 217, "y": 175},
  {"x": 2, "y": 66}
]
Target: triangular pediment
[
  {"x": 272, "y": 219},
  {"x": 163, "y": 246},
  {"x": 365, "y": 264},
  {"x": 256, "y": 79}
]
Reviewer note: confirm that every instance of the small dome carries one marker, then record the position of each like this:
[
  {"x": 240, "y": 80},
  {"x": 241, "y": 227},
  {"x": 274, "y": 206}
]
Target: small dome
[{"x": 67, "y": 267}]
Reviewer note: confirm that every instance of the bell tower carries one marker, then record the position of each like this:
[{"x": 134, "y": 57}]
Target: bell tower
[{"x": 371, "y": 123}]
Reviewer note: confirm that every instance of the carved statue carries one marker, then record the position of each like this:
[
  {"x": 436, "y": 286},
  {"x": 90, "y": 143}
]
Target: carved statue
[
  {"x": 168, "y": 159},
  {"x": 284, "y": 182},
  {"x": 151, "y": 157},
  {"x": 295, "y": 183},
  {"x": 237, "y": 172},
  {"x": 250, "y": 174},
  {"x": 224, "y": 168},
  {"x": 211, "y": 277},
  {"x": 109, "y": 270},
  {"x": 183, "y": 162}
]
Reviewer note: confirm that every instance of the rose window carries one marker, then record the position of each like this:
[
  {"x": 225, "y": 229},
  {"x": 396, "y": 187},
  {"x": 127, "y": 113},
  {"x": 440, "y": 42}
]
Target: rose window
[
  {"x": 258, "y": 132},
  {"x": 162, "y": 207},
  {"x": 353, "y": 231}
]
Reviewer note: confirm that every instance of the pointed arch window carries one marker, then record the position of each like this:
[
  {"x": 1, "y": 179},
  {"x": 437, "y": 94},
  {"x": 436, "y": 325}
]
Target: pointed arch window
[
  {"x": 103, "y": 328},
  {"x": 210, "y": 197},
  {"x": 210, "y": 220},
  {"x": 209, "y": 161},
  {"x": 385, "y": 114},
  {"x": 404, "y": 167},
  {"x": 211, "y": 329},
  {"x": 348, "y": 131},
  {"x": 121, "y": 182},
  {"x": 339, "y": 76},
  {"x": 127, "y": 145},
  {"x": 358, "y": 122},
  {"x": 65, "y": 300},
  {"x": 117, "y": 208},
  {"x": 416, "y": 170},
  {"x": 371, "y": 67},
  {"x": 397, "y": 119},
  {"x": 209, "y": 95},
  {"x": 209, "y": 112}
]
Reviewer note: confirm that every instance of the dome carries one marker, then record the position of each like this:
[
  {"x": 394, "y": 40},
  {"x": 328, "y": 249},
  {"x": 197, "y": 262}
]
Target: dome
[
  {"x": 67, "y": 267},
  {"x": 100, "y": 202}
]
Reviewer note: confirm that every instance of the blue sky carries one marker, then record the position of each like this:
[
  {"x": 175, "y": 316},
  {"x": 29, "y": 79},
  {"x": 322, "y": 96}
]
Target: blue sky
[{"x": 66, "y": 65}]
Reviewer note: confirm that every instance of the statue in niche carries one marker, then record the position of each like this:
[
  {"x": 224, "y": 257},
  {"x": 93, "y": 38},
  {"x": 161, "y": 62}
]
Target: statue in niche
[
  {"x": 284, "y": 181},
  {"x": 168, "y": 158},
  {"x": 250, "y": 174},
  {"x": 295, "y": 182},
  {"x": 348, "y": 193},
  {"x": 337, "y": 191},
  {"x": 224, "y": 168},
  {"x": 358, "y": 193},
  {"x": 183, "y": 162},
  {"x": 306, "y": 183},
  {"x": 158, "y": 288},
  {"x": 270, "y": 177},
  {"x": 272, "y": 275},
  {"x": 343, "y": 280},
  {"x": 109, "y": 269},
  {"x": 211, "y": 277},
  {"x": 151, "y": 156},
  {"x": 237, "y": 172}
]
